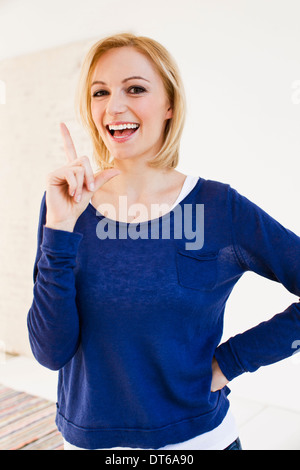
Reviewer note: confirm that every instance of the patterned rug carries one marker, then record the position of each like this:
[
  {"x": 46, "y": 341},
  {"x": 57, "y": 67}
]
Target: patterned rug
[{"x": 27, "y": 422}]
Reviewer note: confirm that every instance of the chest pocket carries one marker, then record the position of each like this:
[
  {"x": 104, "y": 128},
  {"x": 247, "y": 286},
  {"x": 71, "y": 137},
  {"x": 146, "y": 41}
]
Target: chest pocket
[{"x": 197, "y": 270}]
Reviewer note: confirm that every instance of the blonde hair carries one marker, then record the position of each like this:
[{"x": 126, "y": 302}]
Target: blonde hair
[{"x": 165, "y": 65}]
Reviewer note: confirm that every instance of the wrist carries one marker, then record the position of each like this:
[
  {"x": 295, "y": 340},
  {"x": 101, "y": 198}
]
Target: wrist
[{"x": 66, "y": 225}]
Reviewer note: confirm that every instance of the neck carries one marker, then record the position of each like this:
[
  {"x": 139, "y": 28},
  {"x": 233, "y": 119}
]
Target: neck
[{"x": 139, "y": 180}]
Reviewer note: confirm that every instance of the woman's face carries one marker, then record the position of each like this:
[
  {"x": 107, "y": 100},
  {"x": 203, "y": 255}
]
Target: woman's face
[{"x": 129, "y": 104}]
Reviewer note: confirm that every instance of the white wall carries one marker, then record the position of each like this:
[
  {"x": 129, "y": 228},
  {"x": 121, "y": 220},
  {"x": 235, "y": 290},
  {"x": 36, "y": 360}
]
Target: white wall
[{"x": 240, "y": 64}]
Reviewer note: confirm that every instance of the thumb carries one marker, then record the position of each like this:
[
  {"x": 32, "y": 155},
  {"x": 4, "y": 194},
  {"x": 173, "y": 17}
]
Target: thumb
[{"x": 103, "y": 176}]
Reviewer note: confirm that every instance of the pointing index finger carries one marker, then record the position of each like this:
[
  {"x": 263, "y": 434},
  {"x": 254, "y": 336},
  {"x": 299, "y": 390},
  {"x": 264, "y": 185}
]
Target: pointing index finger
[{"x": 68, "y": 143}]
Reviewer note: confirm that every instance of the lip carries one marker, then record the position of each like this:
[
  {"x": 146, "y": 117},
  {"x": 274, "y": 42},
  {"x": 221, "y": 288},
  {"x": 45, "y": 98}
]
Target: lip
[{"x": 120, "y": 140}]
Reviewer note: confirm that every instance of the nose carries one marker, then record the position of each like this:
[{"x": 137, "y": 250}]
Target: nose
[{"x": 116, "y": 104}]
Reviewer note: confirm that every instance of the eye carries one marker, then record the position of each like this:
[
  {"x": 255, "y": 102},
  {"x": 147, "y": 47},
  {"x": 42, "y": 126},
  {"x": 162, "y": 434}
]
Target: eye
[
  {"x": 100, "y": 93},
  {"x": 136, "y": 90}
]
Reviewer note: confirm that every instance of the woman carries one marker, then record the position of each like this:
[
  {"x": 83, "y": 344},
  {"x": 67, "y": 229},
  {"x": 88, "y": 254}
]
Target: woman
[{"x": 126, "y": 307}]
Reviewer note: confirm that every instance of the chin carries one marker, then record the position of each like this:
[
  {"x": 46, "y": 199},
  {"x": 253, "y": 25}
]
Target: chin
[{"x": 125, "y": 155}]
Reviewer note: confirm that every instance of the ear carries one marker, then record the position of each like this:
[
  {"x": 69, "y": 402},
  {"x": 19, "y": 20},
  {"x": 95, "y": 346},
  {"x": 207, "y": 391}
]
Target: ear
[{"x": 169, "y": 114}]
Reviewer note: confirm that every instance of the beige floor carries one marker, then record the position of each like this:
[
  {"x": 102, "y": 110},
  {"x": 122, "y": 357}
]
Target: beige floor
[{"x": 266, "y": 404}]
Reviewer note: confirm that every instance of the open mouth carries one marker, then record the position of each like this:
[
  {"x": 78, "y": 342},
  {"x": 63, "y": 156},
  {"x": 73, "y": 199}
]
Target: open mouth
[{"x": 122, "y": 131}]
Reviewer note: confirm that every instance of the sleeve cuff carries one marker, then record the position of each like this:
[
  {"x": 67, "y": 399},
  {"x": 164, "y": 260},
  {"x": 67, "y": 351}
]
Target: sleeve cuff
[
  {"x": 228, "y": 362},
  {"x": 60, "y": 241}
]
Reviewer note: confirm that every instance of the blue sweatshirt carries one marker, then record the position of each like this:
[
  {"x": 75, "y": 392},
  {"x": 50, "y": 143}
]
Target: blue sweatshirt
[{"x": 132, "y": 315}]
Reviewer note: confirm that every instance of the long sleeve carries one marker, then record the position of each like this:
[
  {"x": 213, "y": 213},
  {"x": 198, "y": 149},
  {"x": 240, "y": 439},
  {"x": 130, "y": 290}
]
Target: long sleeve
[
  {"x": 265, "y": 247},
  {"x": 52, "y": 320}
]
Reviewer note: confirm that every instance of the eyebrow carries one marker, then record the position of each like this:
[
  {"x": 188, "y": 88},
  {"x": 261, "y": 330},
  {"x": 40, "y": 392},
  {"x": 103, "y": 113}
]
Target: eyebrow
[{"x": 135, "y": 77}]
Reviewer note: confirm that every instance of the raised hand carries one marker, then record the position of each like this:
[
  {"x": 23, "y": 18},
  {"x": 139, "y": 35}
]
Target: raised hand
[{"x": 70, "y": 188}]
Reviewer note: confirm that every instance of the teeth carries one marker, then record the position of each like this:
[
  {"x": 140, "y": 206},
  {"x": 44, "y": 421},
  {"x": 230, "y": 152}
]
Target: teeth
[{"x": 122, "y": 126}]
